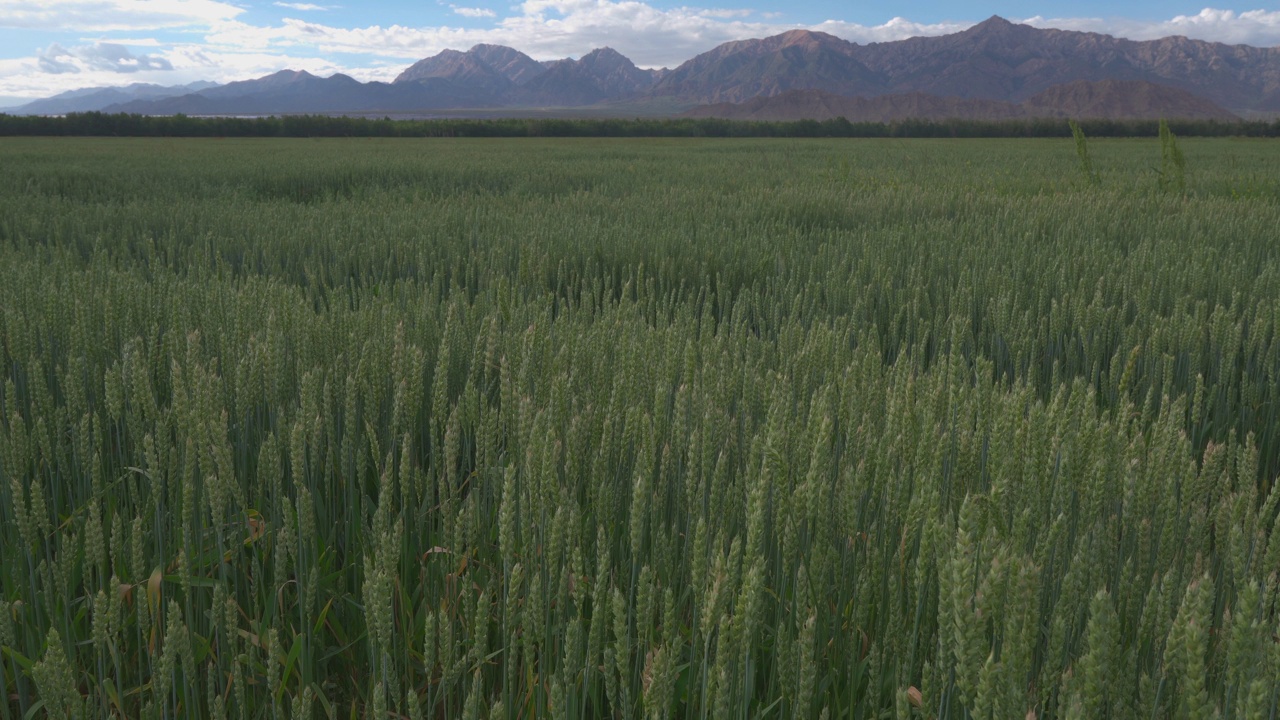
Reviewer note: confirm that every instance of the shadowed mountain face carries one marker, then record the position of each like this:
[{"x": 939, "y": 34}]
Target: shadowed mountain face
[
  {"x": 517, "y": 79},
  {"x": 511, "y": 64},
  {"x": 1107, "y": 99},
  {"x": 465, "y": 69},
  {"x": 747, "y": 68},
  {"x": 1122, "y": 99},
  {"x": 820, "y": 105},
  {"x": 994, "y": 61},
  {"x": 598, "y": 76}
]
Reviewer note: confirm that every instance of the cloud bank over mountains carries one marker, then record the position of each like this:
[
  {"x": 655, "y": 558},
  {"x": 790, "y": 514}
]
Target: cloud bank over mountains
[
  {"x": 180, "y": 41},
  {"x": 107, "y": 57}
]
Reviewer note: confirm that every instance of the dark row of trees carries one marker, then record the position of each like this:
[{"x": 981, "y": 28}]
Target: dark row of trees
[{"x": 122, "y": 125}]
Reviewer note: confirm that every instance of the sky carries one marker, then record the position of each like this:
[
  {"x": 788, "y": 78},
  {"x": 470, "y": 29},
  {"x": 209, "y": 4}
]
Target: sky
[{"x": 50, "y": 46}]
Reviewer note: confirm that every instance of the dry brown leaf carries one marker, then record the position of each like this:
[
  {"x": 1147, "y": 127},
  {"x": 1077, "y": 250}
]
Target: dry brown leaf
[
  {"x": 915, "y": 697},
  {"x": 153, "y": 589}
]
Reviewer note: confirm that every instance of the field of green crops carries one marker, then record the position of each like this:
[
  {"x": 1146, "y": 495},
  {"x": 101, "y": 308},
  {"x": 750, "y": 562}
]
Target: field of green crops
[{"x": 636, "y": 429}]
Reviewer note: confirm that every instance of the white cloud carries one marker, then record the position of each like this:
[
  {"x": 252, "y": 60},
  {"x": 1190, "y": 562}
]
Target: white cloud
[
  {"x": 131, "y": 42},
  {"x": 300, "y": 6},
  {"x": 895, "y": 29},
  {"x": 1250, "y": 27},
  {"x": 113, "y": 15},
  {"x": 107, "y": 57},
  {"x": 56, "y": 60},
  {"x": 726, "y": 13},
  {"x": 473, "y": 12}
]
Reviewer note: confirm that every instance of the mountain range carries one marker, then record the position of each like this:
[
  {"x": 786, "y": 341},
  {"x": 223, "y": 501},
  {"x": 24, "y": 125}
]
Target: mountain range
[
  {"x": 993, "y": 69},
  {"x": 994, "y": 60}
]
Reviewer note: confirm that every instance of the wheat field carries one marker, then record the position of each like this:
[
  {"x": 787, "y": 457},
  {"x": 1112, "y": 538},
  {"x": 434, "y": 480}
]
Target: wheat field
[{"x": 665, "y": 429}]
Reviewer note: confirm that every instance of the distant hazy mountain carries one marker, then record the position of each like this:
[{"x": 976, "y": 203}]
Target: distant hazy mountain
[
  {"x": 90, "y": 99},
  {"x": 290, "y": 91},
  {"x": 1106, "y": 99},
  {"x": 1019, "y": 68}
]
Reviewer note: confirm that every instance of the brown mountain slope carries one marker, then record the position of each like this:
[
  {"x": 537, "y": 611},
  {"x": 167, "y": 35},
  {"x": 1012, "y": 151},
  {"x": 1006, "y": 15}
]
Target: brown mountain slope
[
  {"x": 601, "y": 74},
  {"x": 1122, "y": 99},
  {"x": 511, "y": 64},
  {"x": 798, "y": 59},
  {"x": 465, "y": 68},
  {"x": 995, "y": 60},
  {"x": 1107, "y": 99},
  {"x": 819, "y": 105}
]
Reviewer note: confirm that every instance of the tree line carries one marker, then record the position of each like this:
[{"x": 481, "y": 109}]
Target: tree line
[{"x": 98, "y": 124}]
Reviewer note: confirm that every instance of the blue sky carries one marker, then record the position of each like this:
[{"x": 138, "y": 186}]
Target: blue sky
[{"x": 48, "y": 46}]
